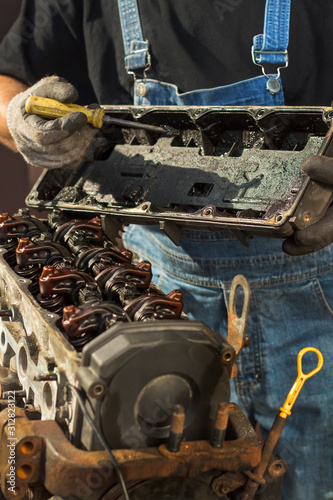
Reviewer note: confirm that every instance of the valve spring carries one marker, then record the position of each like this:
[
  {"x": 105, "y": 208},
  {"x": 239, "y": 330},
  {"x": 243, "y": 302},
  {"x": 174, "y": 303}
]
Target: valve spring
[
  {"x": 32, "y": 273},
  {"x": 79, "y": 341},
  {"x": 65, "y": 263},
  {"x": 98, "y": 268},
  {"x": 10, "y": 246},
  {"x": 53, "y": 303}
]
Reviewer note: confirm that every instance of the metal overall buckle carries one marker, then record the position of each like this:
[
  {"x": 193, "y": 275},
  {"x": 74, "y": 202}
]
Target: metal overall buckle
[
  {"x": 273, "y": 84},
  {"x": 141, "y": 88}
]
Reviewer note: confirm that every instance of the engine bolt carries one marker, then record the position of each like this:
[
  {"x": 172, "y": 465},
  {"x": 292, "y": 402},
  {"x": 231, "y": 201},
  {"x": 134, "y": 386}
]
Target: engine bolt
[
  {"x": 306, "y": 217},
  {"x": 220, "y": 427},
  {"x": 176, "y": 429}
]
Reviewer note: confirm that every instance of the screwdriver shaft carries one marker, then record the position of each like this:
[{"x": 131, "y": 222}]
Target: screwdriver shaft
[
  {"x": 128, "y": 123},
  {"x": 50, "y": 108}
]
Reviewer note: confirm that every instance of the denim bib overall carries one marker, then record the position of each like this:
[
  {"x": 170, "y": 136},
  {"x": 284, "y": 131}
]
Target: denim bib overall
[{"x": 292, "y": 297}]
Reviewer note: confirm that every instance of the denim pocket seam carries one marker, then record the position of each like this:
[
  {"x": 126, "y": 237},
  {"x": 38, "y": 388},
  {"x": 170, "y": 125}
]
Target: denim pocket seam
[
  {"x": 321, "y": 297},
  {"x": 261, "y": 283}
]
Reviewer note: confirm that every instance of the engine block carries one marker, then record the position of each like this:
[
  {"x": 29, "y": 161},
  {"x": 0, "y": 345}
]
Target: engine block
[
  {"x": 85, "y": 335},
  {"x": 108, "y": 390}
]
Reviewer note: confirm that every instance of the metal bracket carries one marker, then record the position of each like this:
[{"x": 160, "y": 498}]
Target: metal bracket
[
  {"x": 172, "y": 231},
  {"x": 112, "y": 227}
]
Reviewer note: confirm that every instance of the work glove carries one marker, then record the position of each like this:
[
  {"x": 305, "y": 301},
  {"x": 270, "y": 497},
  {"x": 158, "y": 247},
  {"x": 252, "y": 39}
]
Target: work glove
[
  {"x": 319, "y": 234},
  {"x": 62, "y": 142}
]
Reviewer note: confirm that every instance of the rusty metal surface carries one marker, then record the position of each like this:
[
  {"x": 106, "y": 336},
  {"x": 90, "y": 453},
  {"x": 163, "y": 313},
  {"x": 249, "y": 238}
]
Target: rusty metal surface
[
  {"x": 44, "y": 454},
  {"x": 228, "y": 482},
  {"x": 257, "y": 476},
  {"x": 237, "y": 324}
]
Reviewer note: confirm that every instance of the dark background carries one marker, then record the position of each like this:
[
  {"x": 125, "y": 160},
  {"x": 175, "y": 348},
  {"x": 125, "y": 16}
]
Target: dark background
[{"x": 17, "y": 177}]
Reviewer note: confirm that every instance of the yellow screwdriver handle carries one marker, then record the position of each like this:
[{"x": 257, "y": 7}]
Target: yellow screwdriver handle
[
  {"x": 50, "y": 108},
  {"x": 301, "y": 378}
]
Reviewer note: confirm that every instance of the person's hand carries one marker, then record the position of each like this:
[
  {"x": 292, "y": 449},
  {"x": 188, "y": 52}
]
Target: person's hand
[
  {"x": 319, "y": 234},
  {"x": 62, "y": 142}
]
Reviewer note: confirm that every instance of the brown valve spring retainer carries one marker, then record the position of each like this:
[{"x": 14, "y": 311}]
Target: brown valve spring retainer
[{"x": 71, "y": 265}]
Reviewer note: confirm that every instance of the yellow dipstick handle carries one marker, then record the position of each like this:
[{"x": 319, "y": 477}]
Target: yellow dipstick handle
[
  {"x": 50, "y": 108},
  {"x": 301, "y": 378}
]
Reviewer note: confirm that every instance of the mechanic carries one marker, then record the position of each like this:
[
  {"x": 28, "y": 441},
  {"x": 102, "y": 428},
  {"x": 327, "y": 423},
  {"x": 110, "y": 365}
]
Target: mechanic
[{"x": 173, "y": 48}]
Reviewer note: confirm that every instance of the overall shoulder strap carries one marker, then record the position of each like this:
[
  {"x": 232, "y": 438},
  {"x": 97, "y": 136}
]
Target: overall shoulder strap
[
  {"x": 271, "y": 46},
  {"x": 136, "y": 48}
]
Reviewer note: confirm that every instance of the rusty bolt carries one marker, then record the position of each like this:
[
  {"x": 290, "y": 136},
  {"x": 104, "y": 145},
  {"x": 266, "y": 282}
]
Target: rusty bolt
[
  {"x": 176, "y": 428},
  {"x": 277, "y": 468},
  {"x": 220, "y": 426},
  {"x": 227, "y": 482},
  {"x": 306, "y": 218}
]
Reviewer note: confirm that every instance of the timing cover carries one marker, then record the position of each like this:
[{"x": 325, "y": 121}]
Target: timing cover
[{"x": 176, "y": 362}]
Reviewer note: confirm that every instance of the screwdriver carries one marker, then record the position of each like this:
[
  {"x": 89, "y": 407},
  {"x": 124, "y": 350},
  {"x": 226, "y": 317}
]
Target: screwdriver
[{"x": 50, "y": 108}]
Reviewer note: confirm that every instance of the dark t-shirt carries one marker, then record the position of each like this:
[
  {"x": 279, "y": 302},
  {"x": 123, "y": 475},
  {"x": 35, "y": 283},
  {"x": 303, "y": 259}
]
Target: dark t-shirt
[{"x": 193, "y": 43}]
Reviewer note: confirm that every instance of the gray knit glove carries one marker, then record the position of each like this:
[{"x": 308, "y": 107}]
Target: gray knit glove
[{"x": 50, "y": 143}]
